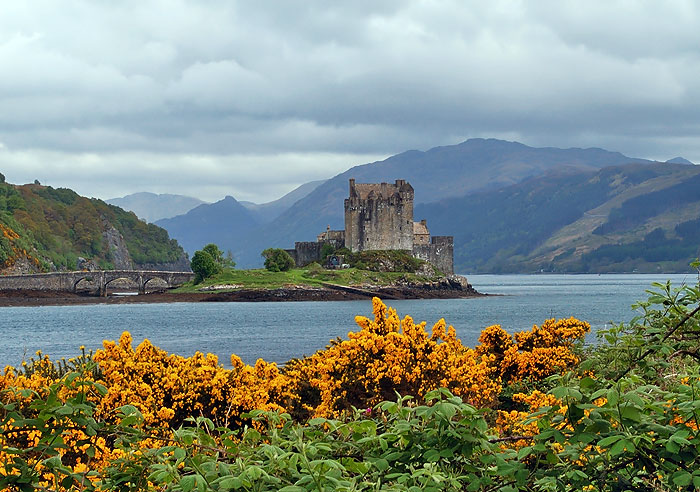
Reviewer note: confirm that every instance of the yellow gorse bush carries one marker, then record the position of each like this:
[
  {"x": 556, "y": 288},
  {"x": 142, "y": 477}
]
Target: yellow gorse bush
[
  {"x": 168, "y": 388},
  {"x": 537, "y": 353},
  {"x": 388, "y": 355}
]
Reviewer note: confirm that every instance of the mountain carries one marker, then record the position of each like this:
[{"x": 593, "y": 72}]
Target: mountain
[
  {"x": 152, "y": 207},
  {"x": 44, "y": 229},
  {"x": 679, "y": 160},
  {"x": 224, "y": 223},
  {"x": 636, "y": 217},
  {"x": 267, "y": 212},
  {"x": 441, "y": 172}
]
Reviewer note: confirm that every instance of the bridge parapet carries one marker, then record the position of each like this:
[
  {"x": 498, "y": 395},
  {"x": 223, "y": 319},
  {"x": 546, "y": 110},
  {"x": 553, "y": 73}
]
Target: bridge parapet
[{"x": 68, "y": 281}]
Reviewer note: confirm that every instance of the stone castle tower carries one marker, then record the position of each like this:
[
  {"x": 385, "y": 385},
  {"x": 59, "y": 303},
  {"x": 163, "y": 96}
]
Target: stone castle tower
[{"x": 379, "y": 216}]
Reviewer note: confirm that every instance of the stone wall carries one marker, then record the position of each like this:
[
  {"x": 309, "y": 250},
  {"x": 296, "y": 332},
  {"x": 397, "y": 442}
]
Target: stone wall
[
  {"x": 306, "y": 252},
  {"x": 39, "y": 281},
  {"x": 439, "y": 253}
]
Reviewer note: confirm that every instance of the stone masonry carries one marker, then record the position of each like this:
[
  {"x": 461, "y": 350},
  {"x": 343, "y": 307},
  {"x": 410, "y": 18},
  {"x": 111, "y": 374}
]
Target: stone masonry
[
  {"x": 379, "y": 216},
  {"x": 69, "y": 281}
]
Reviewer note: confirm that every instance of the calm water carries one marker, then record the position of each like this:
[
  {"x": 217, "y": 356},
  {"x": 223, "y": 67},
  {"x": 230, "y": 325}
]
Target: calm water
[{"x": 279, "y": 331}]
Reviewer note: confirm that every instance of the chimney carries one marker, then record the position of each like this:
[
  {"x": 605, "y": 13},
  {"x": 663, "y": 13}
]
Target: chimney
[{"x": 352, "y": 186}]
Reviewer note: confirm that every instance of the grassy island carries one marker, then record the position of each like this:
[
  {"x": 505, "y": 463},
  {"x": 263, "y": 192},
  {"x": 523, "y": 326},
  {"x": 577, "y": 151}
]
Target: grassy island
[
  {"x": 364, "y": 269},
  {"x": 313, "y": 276}
]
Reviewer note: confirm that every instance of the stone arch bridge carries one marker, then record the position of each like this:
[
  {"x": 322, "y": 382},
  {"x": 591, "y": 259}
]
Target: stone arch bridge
[{"x": 68, "y": 281}]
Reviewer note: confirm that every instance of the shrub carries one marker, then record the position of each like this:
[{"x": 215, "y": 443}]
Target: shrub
[
  {"x": 277, "y": 260},
  {"x": 623, "y": 418},
  {"x": 203, "y": 266},
  {"x": 386, "y": 356}
]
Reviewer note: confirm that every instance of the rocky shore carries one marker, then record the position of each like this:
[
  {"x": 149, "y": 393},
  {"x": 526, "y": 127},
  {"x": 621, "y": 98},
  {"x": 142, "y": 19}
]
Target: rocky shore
[{"x": 451, "y": 287}]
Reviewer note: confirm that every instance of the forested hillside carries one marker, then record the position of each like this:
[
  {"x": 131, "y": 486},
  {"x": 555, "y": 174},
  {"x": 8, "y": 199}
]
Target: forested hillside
[{"x": 44, "y": 229}]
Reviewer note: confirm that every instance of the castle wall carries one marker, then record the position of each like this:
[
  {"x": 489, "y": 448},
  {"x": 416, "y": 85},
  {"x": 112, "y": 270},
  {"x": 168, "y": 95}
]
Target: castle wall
[
  {"x": 439, "y": 253},
  {"x": 306, "y": 252}
]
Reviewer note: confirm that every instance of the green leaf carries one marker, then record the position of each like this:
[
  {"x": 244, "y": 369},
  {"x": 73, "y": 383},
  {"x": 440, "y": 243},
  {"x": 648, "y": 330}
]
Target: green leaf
[
  {"x": 187, "y": 483},
  {"x": 631, "y": 413},
  {"x": 431, "y": 455},
  {"x": 682, "y": 478},
  {"x": 560, "y": 392},
  {"x": 587, "y": 383},
  {"x": 381, "y": 464},
  {"x": 619, "y": 447},
  {"x": 523, "y": 452}
]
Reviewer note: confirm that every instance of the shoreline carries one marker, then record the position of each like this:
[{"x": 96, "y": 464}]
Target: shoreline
[{"x": 35, "y": 298}]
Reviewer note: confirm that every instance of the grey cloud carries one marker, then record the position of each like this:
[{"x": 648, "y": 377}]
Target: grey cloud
[{"x": 222, "y": 79}]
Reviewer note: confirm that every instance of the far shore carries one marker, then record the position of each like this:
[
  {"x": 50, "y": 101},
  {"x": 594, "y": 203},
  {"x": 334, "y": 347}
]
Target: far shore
[{"x": 283, "y": 294}]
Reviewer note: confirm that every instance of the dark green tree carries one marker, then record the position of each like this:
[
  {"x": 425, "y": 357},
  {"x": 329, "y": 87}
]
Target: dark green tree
[
  {"x": 221, "y": 259},
  {"x": 203, "y": 266},
  {"x": 277, "y": 260},
  {"x": 2, "y": 178},
  {"x": 214, "y": 251}
]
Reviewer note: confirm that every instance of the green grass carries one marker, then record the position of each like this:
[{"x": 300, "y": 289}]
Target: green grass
[{"x": 310, "y": 277}]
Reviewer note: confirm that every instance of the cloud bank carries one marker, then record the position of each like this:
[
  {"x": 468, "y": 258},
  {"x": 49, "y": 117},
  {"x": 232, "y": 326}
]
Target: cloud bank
[{"x": 252, "y": 98}]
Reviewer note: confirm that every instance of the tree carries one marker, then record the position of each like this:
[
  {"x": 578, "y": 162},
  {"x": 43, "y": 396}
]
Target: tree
[
  {"x": 203, "y": 266},
  {"x": 2, "y": 178},
  {"x": 228, "y": 261},
  {"x": 224, "y": 261},
  {"x": 214, "y": 252},
  {"x": 277, "y": 260}
]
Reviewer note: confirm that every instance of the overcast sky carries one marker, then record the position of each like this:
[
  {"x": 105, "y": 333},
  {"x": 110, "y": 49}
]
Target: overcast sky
[{"x": 250, "y": 99}]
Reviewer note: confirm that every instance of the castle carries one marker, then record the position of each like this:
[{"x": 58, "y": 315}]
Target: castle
[{"x": 379, "y": 216}]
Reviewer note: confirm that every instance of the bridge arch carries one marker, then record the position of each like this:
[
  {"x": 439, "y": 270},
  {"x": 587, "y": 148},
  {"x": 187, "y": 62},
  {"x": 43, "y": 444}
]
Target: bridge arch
[{"x": 87, "y": 277}]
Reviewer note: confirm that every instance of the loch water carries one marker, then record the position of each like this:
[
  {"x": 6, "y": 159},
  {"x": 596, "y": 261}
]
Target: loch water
[{"x": 280, "y": 331}]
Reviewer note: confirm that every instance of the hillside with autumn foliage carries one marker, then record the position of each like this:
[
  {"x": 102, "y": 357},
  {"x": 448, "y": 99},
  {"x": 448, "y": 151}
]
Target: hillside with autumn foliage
[{"x": 45, "y": 229}]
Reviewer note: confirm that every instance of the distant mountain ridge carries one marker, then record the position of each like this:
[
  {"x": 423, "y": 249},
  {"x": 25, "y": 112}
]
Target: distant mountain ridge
[
  {"x": 152, "y": 207},
  {"x": 436, "y": 174},
  {"x": 223, "y": 223},
  {"x": 635, "y": 217},
  {"x": 511, "y": 208},
  {"x": 228, "y": 222},
  {"x": 680, "y": 160},
  {"x": 267, "y": 212}
]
